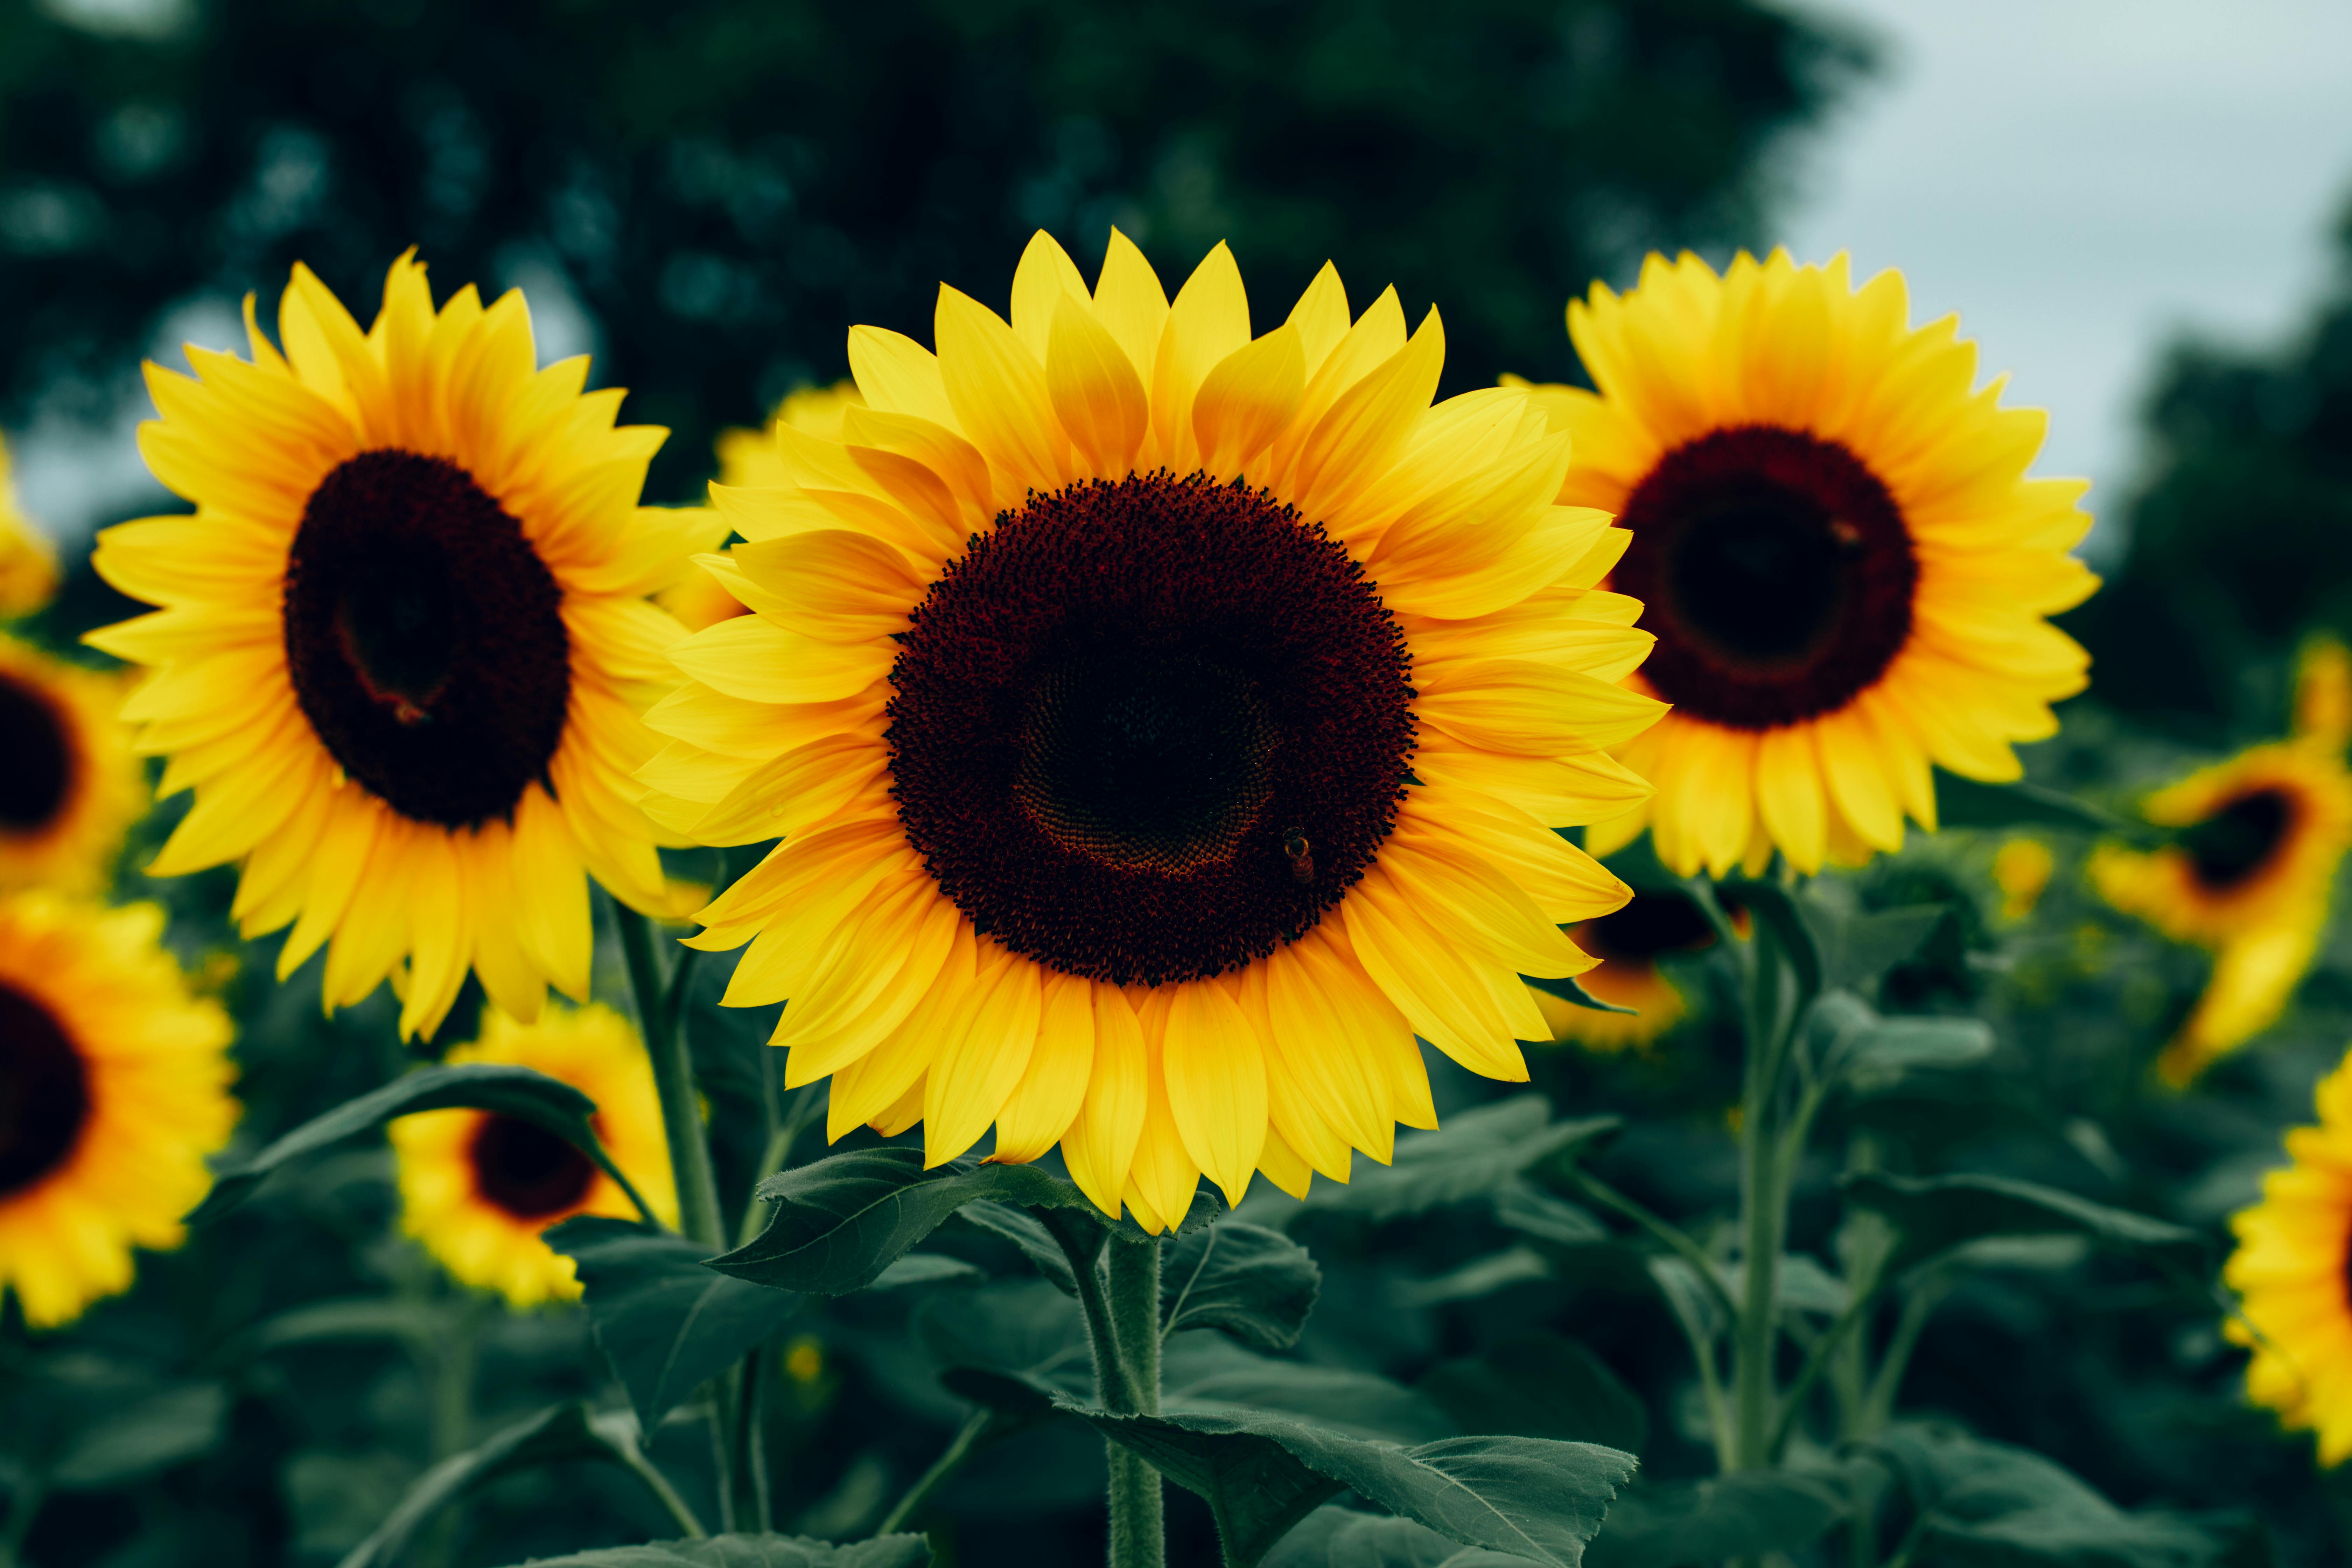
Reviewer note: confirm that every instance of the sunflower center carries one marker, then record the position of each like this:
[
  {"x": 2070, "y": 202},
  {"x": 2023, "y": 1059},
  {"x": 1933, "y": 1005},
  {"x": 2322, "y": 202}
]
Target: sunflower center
[
  {"x": 1651, "y": 924},
  {"x": 44, "y": 1091},
  {"x": 524, "y": 1169},
  {"x": 425, "y": 638},
  {"x": 2228, "y": 848},
  {"x": 1775, "y": 570},
  {"x": 1149, "y": 730},
  {"x": 37, "y": 777}
]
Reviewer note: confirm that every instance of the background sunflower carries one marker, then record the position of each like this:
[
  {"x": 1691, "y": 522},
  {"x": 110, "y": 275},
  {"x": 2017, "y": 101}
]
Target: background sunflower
[{"x": 70, "y": 785}]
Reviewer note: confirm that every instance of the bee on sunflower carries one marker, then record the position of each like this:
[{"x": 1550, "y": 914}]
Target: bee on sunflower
[
  {"x": 2289, "y": 1271},
  {"x": 2251, "y": 874},
  {"x": 1165, "y": 724},
  {"x": 1629, "y": 943},
  {"x": 28, "y": 567},
  {"x": 72, "y": 786},
  {"x": 114, "y": 1086},
  {"x": 404, "y": 642},
  {"x": 1835, "y": 543},
  {"x": 478, "y": 1188},
  {"x": 748, "y": 459}
]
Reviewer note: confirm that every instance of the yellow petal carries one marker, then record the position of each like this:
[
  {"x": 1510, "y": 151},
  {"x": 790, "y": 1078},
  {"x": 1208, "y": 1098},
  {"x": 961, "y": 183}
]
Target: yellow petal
[
  {"x": 1246, "y": 399},
  {"x": 1096, "y": 393}
]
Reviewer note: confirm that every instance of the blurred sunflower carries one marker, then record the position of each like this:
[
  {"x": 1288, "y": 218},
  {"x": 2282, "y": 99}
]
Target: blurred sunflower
[
  {"x": 1835, "y": 542},
  {"x": 2289, "y": 1271},
  {"x": 1629, "y": 944},
  {"x": 405, "y": 641},
  {"x": 2259, "y": 838},
  {"x": 70, "y": 786},
  {"x": 114, "y": 1086},
  {"x": 28, "y": 567},
  {"x": 2021, "y": 869},
  {"x": 1168, "y": 725},
  {"x": 748, "y": 457},
  {"x": 478, "y": 1188}
]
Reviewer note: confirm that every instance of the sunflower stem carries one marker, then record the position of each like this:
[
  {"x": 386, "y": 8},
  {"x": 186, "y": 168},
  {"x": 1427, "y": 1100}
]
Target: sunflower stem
[
  {"x": 942, "y": 1467},
  {"x": 1764, "y": 1205},
  {"x": 689, "y": 1151},
  {"x": 1138, "y": 1506}
]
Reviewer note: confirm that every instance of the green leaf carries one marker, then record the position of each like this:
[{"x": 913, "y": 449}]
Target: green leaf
[
  {"x": 1966, "y": 803},
  {"x": 1014, "y": 1347},
  {"x": 521, "y": 1092},
  {"x": 667, "y": 1324},
  {"x": 1208, "y": 1372},
  {"x": 1986, "y": 1504},
  {"x": 164, "y": 1429},
  {"x": 1480, "y": 1277},
  {"x": 1745, "y": 1514},
  {"x": 920, "y": 1269},
  {"x": 348, "y": 1318},
  {"x": 1337, "y": 1537},
  {"x": 1262, "y": 1474},
  {"x": 839, "y": 1222},
  {"x": 1475, "y": 1152},
  {"x": 1566, "y": 988},
  {"x": 1937, "y": 1214},
  {"x": 560, "y": 1433},
  {"x": 1530, "y": 1210},
  {"x": 1257, "y": 1284},
  {"x": 1866, "y": 943},
  {"x": 753, "y": 1551},
  {"x": 1540, "y": 1385},
  {"x": 1871, "y": 1053},
  {"x": 1028, "y": 1232}
]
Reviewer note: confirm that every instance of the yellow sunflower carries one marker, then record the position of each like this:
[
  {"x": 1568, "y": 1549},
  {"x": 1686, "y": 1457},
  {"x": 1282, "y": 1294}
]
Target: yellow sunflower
[
  {"x": 1835, "y": 541},
  {"x": 1629, "y": 944},
  {"x": 113, "y": 1088},
  {"x": 70, "y": 786},
  {"x": 2289, "y": 1271},
  {"x": 2261, "y": 837},
  {"x": 28, "y": 567},
  {"x": 1165, "y": 725},
  {"x": 2021, "y": 869},
  {"x": 476, "y": 1188},
  {"x": 748, "y": 457},
  {"x": 405, "y": 642}
]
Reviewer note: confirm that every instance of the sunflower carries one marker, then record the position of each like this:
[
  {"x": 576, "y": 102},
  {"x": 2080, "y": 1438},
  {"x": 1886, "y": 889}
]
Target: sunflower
[
  {"x": 113, "y": 1088},
  {"x": 1166, "y": 725},
  {"x": 70, "y": 785},
  {"x": 476, "y": 1188},
  {"x": 2260, "y": 838},
  {"x": 748, "y": 457},
  {"x": 2021, "y": 869},
  {"x": 2289, "y": 1271},
  {"x": 405, "y": 641},
  {"x": 1629, "y": 944},
  {"x": 28, "y": 567},
  {"x": 1835, "y": 542}
]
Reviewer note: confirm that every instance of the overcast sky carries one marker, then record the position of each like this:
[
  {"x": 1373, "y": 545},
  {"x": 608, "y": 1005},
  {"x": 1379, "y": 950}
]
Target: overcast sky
[{"x": 2082, "y": 180}]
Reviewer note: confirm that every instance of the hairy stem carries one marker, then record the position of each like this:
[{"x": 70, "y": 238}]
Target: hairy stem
[
  {"x": 689, "y": 1149},
  {"x": 1138, "y": 1506}
]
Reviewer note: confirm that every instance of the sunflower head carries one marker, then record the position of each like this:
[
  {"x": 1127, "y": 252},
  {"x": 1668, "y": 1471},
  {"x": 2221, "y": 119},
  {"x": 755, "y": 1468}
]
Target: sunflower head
[
  {"x": 1166, "y": 721},
  {"x": 2290, "y": 1272},
  {"x": 478, "y": 1188},
  {"x": 405, "y": 640},
  {"x": 2248, "y": 874},
  {"x": 70, "y": 785},
  {"x": 114, "y": 1083},
  {"x": 1834, "y": 540},
  {"x": 1629, "y": 943}
]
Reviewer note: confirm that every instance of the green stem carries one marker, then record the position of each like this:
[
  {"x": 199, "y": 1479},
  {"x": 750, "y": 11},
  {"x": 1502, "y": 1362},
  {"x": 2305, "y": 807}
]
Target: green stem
[
  {"x": 752, "y": 1436},
  {"x": 689, "y": 1149},
  {"x": 1764, "y": 1217},
  {"x": 1081, "y": 1242},
  {"x": 1138, "y": 1531},
  {"x": 942, "y": 1467},
  {"x": 1661, "y": 1230},
  {"x": 658, "y": 1484},
  {"x": 1863, "y": 1293},
  {"x": 1919, "y": 1304}
]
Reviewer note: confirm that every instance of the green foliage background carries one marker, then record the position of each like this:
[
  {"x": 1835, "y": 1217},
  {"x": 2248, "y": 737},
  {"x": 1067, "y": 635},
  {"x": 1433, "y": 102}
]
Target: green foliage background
[{"x": 724, "y": 185}]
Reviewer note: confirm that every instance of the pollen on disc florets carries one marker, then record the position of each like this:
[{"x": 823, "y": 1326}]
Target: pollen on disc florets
[{"x": 1148, "y": 730}]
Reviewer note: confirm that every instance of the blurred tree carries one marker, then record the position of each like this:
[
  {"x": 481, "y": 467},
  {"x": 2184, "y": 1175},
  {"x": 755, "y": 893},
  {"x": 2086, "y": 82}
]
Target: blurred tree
[
  {"x": 726, "y": 185},
  {"x": 2238, "y": 535}
]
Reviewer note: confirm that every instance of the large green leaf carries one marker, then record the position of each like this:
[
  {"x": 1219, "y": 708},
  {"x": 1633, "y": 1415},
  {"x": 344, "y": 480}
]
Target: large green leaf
[
  {"x": 1473, "y": 1155},
  {"x": 560, "y": 1433},
  {"x": 1208, "y": 1372},
  {"x": 1337, "y": 1537},
  {"x": 166, "y": 1428},
  {"x": 1862, "y": 945},
  {"x": 753, "y": 1551},
  {"x": 1870, "y": 1053},
  {"x": 1014, "y": 1347},
  {"x": 1257, "y": 1284},
  {"x": 667, "y": 1324},
  {"x": 839, "y": 1222},
  {"x": 1991, "y": 1506},
  {"x": 1745, "y": 1514},
  {"x": 1028, "y": 1232},
  {"x": 1262, "y": 1474},
  {"x": 1966, "y": 803},
  {"x": 521, "y": 1092},
  {"x": 1540, "y": 1385},
  {"x": 1937, "y": 1214}
]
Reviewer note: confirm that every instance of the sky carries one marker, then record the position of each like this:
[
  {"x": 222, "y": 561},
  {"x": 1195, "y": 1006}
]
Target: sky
[
  {"x": 2082, "y": 180},
  {"x": 2085, "y": 181}
]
